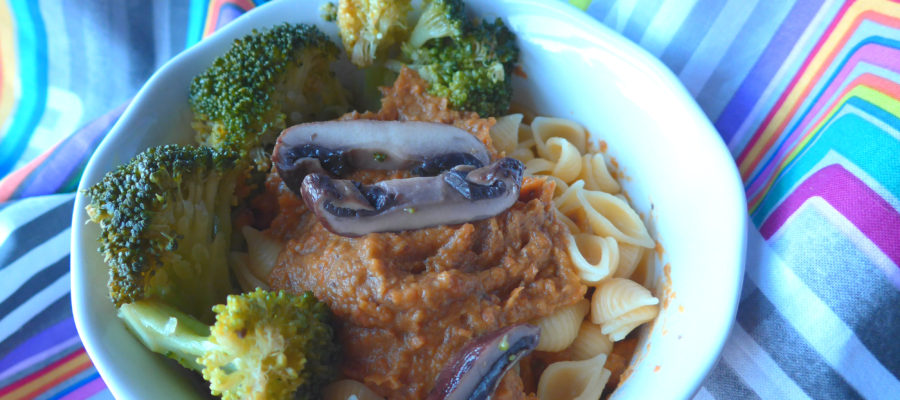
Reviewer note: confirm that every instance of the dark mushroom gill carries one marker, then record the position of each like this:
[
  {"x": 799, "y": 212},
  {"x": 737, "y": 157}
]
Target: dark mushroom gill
[
  {"x": 352, "y": 209},
  {"x": 337, "y": 148}
]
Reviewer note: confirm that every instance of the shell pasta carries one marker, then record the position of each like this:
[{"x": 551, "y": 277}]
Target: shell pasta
[
  {"x": 606, "y": 214},
  {"x": 619, "y": 305},
  {"x": 559, "y": 329},
  {"x": 595, "y": 257},
  {"x": 348, "y": 389},
  {"x": 590, "y": 342},
  {"x": 545, "y": 128},
  {"x": 607, "y": 242},
  {"x": 596, "y": 175},
  {"x": 563, "y": 160},
  {"x": 574, "y": 380}
]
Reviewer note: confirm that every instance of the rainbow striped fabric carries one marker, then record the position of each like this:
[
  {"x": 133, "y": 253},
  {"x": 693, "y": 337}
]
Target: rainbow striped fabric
[{"x": 806, "y": 94}]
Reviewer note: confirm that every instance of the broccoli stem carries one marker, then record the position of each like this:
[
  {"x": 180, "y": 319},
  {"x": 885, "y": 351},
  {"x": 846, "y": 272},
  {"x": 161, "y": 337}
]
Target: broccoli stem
[
  {"x": 263, "y": 345},
  {"x": 166, "y": 330}
]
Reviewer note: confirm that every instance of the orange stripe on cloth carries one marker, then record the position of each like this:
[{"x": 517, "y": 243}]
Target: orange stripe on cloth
[
  {"x": 8, "y": 65},
  {"x": 11, "y": 182},
  {"x": 881, "y": 11},
  {"x": 47, "y": 378}
]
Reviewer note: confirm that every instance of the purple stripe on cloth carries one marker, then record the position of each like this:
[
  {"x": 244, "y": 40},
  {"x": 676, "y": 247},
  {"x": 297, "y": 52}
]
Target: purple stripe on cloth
[
  {"x": 869, "y": 53},
  {"x": 766, "y": 66},
  {"x": 86, "y": 389},
  {"x": 228, "y": 12},
  {"x": 68, "y": 157},
  {"x": 870, "y": 213},
  {"x": 37, "y": 343}
]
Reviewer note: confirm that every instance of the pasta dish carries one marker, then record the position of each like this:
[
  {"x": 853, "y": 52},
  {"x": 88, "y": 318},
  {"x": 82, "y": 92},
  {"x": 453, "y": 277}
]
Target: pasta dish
[
  {"x": 407, "y": 300},
  {"x": 437, "y": 246}
]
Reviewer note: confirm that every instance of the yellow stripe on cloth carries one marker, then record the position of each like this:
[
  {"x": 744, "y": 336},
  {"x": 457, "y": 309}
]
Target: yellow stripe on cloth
[
  {"x": 50, "y": 378},
  {"x": 9, "y": 73}
]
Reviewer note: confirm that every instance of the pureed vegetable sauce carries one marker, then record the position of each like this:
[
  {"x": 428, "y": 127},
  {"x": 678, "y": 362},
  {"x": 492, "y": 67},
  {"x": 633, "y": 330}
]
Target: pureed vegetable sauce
[{"x": 406, "y": 302}]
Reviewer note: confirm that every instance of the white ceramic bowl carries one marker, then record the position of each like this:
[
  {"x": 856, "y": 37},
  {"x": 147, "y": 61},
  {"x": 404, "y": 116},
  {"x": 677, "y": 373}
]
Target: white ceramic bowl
[{"x": 681, "y": 178}]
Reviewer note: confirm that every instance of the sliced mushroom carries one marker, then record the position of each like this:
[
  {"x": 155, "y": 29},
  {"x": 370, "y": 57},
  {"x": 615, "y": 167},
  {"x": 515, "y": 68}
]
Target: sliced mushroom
[
  {"x": 476, "y": 370},
  {"x": 460, "y": 195},
  {"x": 337, "y": 148}
]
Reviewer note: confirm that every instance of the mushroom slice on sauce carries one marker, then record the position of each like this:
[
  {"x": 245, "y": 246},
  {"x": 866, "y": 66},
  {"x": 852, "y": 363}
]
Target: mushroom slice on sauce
[
  {"x": 337, "y": 148},
  {"x": 476, "y": 370},
  {"x": 460, "y": 195}
]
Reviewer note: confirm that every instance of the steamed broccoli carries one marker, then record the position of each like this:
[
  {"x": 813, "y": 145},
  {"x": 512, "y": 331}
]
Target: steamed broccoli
[
  {"x": 328, "y": 11},
  {"x": 473, "y": 71},
  {"x": 369, "y": 27},
  {"x": 267, "y": 81},
  {"x": 165, "y": 226},
  {"x": 440, "y": 18},
  {"x": 262, "y": 346}
]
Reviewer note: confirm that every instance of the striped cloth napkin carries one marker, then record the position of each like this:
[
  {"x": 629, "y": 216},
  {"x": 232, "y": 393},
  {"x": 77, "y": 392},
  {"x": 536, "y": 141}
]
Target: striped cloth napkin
[{"x": 806, "y": 94}]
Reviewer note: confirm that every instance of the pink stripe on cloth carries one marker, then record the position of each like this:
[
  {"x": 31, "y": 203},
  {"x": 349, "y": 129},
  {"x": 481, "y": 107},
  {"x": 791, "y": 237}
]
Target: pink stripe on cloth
[
  {"x": 86, "y": 391},
  {"x": 870, "y": 53},
  {"x": 870, "y": 213},
  {"x": 794, "y": 81}
]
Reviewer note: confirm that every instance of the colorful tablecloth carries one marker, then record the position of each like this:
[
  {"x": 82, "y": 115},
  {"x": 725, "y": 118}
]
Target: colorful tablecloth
[{"x": 806, "y": 93}]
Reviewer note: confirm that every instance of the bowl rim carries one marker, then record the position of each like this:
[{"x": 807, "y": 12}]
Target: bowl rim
[{"x": 236, "y": 28}]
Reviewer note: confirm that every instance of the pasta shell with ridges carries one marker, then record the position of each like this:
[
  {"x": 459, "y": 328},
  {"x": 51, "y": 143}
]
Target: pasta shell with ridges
[
  {"x": 595, "y": 257},
  {"x": 559, "y": 329},
  {"x": 544, "y": 128},
  {"x": 589, "y": 343},
  {"x": 574, "y": 380},
  {"x": 346, "y": 389},
  {"x": 614, "y": 303},
  {"x": 505, "y": 133}
]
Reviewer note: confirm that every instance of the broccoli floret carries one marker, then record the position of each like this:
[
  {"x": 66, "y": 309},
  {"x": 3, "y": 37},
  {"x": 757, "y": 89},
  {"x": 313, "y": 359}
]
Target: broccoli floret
[
  {"x": 267, "y": 81},
  {"x": 440, "y": 18},
  {"x": 369, "y": 27},
  {"x": 263, "y": 345},
  {"x": 165, "y": 226},
  {"x": 328, "y": 11},
  {"x": 472, "y": 71}
]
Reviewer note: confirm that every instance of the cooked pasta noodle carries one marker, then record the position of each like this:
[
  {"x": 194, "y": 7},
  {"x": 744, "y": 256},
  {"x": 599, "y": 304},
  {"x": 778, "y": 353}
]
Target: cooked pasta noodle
[
  {"x": 596, "y": 175},
  {"x": 348, "y": 389},
  {"x": 523, "y": 154},
  {"x": 589, "y": 343},
  {"x": 559, "y": 329},
  {"x": 545, "y": 168},
  {"x": 544, "y": 128},
  {"x": 607, "y": 214},
  {"x": 595, "y": 257},
  {"x": 505, "y": 133},
  {"x": 629, "y": 257},
  {"x": 539, "y": 166},
  {"x": 607, "y": 243},
  {"x": 562, "y": 160},
  {"x": 620, "y": 305},
  {"x": 240, "y": 265},
  {"x": 573, "y": 228},
  {"x": 574, "y": 380},
  {"x": 263, "y": 252},
  {"x": 561, "y": 186}
]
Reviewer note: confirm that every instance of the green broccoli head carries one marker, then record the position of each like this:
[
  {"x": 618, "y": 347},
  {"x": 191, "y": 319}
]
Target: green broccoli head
[
  {"x": 267, "y": 81},
  {"x": 263, "y": 345},
  {"x": 440, "y": 18},
  {"x": 369, "y": 27},
  {"x": 473, "y": 71},
  {"x": 165, "y": 226}
]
